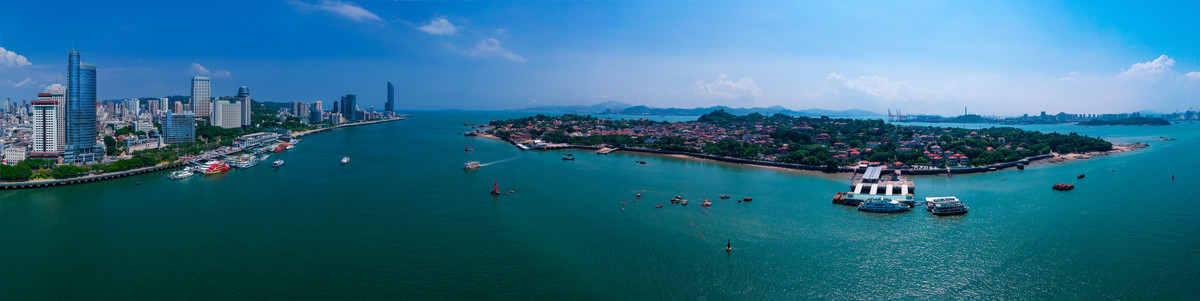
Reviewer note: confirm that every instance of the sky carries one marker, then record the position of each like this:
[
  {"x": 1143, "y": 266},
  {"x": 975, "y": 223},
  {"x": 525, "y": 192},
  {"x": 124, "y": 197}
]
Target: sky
[{"x": 921, "y": 57}]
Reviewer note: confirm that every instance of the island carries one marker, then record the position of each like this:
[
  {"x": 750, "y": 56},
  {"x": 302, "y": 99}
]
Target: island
[
  {"x": 1128, "y": 121},
  {"x": 811, "y": 143}
]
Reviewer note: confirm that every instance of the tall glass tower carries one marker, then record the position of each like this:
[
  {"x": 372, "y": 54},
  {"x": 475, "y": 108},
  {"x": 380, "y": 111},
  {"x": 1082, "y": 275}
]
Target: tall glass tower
[
  {"x": 390, "y": 106},
  {"x": 350, "y": 107},
  {"x": 81, "y": 111},
  {"x": 243, "y": 96}
]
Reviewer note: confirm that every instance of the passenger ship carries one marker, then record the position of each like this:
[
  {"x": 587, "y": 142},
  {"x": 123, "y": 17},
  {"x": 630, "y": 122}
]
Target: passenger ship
[{"x": 946, "y": 205}]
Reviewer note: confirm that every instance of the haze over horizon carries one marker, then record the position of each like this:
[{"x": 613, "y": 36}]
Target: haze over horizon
[{"x": 1003, "y": 58}]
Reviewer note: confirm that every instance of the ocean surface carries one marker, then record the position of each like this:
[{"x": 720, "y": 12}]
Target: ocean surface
[{"x": 403, "y": 221}]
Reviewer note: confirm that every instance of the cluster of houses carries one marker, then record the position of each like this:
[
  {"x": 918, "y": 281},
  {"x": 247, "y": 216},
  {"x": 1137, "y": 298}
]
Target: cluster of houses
[{"x": 700, "y": 134}]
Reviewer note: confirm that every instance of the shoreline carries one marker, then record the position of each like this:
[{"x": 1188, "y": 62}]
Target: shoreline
[
  {"x": 1038, "y": 159},
  {"x": 40, "y": 183}
]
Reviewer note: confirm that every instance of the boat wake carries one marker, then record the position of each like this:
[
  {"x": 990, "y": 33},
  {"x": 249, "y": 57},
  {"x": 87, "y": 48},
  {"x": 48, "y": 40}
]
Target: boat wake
[{"x": 501, "y": 161}]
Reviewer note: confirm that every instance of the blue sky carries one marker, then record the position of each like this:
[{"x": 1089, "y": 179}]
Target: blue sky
[{"x": 999, "y": 58}]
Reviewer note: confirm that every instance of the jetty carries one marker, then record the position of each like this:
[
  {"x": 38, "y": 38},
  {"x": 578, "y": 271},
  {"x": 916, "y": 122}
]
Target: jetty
[
  {"x": 607, "y": 150},
  {"x": 874, "y": 181}
]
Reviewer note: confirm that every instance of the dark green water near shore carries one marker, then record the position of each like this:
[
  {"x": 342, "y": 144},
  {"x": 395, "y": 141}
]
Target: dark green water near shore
[{"x": 404, "y": 221}]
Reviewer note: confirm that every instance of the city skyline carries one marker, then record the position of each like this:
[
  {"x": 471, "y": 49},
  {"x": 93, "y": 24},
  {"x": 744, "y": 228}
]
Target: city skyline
[{"x": 998, "y": 58}]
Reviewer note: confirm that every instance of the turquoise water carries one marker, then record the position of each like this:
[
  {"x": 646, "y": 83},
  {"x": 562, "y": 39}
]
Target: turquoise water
[{"x": 404, "y": 221}]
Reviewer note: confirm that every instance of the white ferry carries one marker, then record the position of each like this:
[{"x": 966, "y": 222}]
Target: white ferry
[
  {"x": 946, "y": 205},
  {"x": 882, "y": 205}
]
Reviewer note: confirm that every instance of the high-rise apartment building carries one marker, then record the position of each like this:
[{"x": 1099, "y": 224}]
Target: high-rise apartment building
[
  {"x": 81, "y": 111},
  {"x": 45, "y": 127},
  {"x": 299, "y": 109},
  {"x": 177, "y": 108},
  {"x": 58, "y": 93},
  {"x": 317, "y": 113},
  {"x": 202, "y": 97}
]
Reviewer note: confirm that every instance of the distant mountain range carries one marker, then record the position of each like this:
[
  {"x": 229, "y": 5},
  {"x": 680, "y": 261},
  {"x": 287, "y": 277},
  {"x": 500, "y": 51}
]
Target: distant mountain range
[{"x": 614, "y": 107}]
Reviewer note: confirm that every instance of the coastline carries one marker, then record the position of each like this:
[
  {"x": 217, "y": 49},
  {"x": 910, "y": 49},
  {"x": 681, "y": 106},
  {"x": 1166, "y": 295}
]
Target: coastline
[
  {"x": 1038, "y": 159},
  {"x": 40, "y": 183}
]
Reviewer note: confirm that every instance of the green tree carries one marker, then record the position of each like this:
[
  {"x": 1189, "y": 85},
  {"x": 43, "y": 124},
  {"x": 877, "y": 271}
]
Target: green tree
[{"x": 15, "y": 173}]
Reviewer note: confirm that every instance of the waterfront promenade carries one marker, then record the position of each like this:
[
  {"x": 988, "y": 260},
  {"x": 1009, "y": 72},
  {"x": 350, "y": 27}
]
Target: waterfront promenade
[{"x": 213, "y": 154}]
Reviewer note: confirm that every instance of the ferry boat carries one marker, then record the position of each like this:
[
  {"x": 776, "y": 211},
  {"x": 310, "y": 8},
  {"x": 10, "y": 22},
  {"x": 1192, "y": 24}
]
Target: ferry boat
[
  {"x": 345, "y": 160},
  {"x": 213, "y": 167},
  {"x": 277, "y": 164},
  {"x": 471, "y": 165},
  {"x": 180, "y": 174},
  {"x": 882, "y": 205},
  {"x": 947, "y": 205}
]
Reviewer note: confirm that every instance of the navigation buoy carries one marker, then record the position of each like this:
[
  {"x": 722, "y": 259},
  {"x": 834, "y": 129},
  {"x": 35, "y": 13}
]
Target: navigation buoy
[{"x": 496, "y": 188}]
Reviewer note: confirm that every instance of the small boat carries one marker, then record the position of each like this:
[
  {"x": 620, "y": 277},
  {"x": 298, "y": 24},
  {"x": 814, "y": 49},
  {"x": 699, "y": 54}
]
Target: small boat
[
  {"x": 942, "y": 206},
  {"x": 289, "y": 146},
  {"x": 1063, "y": 187},
  {"x": 683, "y": 202},
  {"x": 706, "y": 203},
  {"x": 568, "y": 157},
  {"x": 346, "y": 160},
  {"x": 1079, "y": 177},
  {"x": 882, "y": 205},
  {"x": 639, "y": 195},
  {"x": 186, "y": 172},
  {"x": 659, "y": 206},
  {"x": 747, "y": 199},
  {"x": 728, "y": 246},
  {"x": 471, "y": 165},
  {"x": 277, "y": 164},
  {"x": 724, "y": 196},
  {"x": 262, "y": 157}
]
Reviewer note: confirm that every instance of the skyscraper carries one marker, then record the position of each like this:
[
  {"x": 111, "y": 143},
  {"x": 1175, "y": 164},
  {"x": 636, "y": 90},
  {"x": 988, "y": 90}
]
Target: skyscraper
[
  {"x": 299, "y": 109},
  {"x": 390, "y": 106},
  {"x": 202, "y": 97},
  {"x": 45, "y": 127},
  {"x": 81, "y": 111},
  {"x": 349, "y": 106},
  {"x": 317, "y": 113},
  {"x": 243, "y": 98},
  {"x": 58, "y": 93}
]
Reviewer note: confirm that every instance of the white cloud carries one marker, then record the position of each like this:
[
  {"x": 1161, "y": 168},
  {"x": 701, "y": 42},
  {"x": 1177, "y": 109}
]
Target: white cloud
[
  {"x": 723, "y": 87},
  {"x": 9, "y": 59},
  {"x": 198, "y": 70},
  {"x": 1192, "y": 75},
  {"x": 1151, "y": 70},
  {"x": 876, "y": 86},
  {"x": 24, "y": 82},
  {"x": 439, "y": 26},
  {"x": 1071, "y": 76},
  {"x": 491, "y": 48},
  {"x": 344, "y": 9}
]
